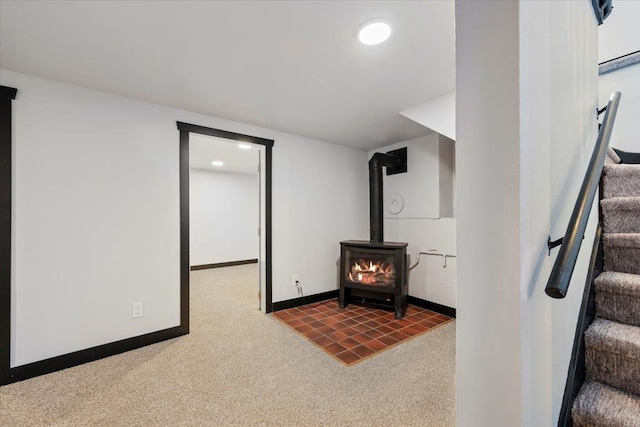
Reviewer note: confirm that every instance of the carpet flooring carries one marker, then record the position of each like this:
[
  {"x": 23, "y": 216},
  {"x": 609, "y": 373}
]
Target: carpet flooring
[
  {"x": 355, "y": 333},
  {"x": 240, "y": 367}
]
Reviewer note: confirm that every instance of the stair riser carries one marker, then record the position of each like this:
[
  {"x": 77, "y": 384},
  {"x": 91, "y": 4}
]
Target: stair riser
[
  {"x": 617, "y": 370},
  {"x": 618, "y": 307},
  {"x": 621, "y": 221},
  {"x": 619, "y": 187},
  {"x": 621, "y": 259}
]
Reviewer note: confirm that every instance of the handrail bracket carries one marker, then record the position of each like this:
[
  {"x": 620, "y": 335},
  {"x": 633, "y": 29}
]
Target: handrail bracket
[{"x": 553, "y": 243}]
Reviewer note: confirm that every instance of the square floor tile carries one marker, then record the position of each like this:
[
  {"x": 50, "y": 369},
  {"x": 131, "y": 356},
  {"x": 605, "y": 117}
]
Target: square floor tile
[{"x": 348, "y": 357}]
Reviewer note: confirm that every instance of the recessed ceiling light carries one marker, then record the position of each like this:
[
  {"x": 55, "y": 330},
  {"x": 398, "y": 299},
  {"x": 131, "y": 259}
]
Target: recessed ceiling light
[
  {"x": 217, "y": 163},
  {"x": 374, "y": 31},
  {"x": 244, "y": 146}
]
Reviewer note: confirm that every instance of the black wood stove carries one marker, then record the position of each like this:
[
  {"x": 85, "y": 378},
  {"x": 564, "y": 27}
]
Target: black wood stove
[{"x": 376, "y": 270}]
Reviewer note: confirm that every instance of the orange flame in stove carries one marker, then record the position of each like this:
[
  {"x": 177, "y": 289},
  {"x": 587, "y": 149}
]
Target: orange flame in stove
[{"x": 372, "y": 273}]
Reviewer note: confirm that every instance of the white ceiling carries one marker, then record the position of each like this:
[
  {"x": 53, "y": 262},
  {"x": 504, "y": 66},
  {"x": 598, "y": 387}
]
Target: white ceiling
[
  {"x": 293, "y": 66},
  {"x": 205, "y": 149}
]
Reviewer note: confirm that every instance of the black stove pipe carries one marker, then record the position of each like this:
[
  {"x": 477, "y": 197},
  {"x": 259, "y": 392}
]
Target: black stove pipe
[{"x": 377, "y": 161}]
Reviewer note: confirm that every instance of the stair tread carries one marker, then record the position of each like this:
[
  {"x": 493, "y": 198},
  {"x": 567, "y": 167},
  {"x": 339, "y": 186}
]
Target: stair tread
[
  {"x": 614, "y": 337},
  {"x": 628, "y": 205},
  {"x": 621, "y": 283},
  {"x": 624, "y": 200},
  {"x": 625, "y": 240},
  {"x": 601, "y": 405},
  {"x": 621, "y": 168}
]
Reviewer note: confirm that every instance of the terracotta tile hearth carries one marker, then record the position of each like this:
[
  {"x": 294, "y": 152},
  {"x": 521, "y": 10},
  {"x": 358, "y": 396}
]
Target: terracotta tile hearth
[{"x": 355, "y": 333}]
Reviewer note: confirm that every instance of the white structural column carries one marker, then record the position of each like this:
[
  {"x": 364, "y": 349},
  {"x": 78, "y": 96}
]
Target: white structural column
[{"x": 487, "y": 151}]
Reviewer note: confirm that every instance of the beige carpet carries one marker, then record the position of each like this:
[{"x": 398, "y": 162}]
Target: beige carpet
[{"x": 239, "y": 367}]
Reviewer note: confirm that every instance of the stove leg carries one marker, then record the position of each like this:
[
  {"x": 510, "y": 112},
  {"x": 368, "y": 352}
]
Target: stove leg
[
  {"x": 343, "y": 299},
  {"x": 400, "y": 306}
]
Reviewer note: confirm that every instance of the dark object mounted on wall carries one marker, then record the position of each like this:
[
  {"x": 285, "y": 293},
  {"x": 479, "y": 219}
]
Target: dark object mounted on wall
[
  {"x": 602, "y": 9},
  {"x": 401, "y": 154}
]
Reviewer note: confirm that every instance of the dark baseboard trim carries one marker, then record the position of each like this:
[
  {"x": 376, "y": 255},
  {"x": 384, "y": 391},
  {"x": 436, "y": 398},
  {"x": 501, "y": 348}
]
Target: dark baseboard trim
[
  {"x": 224, "y": 264},
  {"x": 438, "y": 308},
  {"x": 47, "y": 366},
  {"x": 297, "y": 302}
]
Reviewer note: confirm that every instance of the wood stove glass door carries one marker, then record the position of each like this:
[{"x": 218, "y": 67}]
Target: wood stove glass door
[{"x": 370, "y": 267}]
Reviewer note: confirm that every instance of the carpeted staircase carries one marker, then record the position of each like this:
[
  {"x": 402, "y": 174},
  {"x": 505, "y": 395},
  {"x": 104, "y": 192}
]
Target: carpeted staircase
[{"x": 611, "y": 394}]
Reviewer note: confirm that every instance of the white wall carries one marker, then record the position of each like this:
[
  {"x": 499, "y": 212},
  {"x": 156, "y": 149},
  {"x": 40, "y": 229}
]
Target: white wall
[
  {"x": 326, "y": 190},
  {"x": 96, "y": 214},
  {"x": 430, "y": 280},
  {"x": 420, "y": 186},
  {"x": 526, "y": 92},
  {"x": 223, "y": 224},
  {"x": 419, "y": 222},
  {"x": 558, "y": 130},
  {"x": 626, "y": 130},
  {"x": 620, "y": 34}
]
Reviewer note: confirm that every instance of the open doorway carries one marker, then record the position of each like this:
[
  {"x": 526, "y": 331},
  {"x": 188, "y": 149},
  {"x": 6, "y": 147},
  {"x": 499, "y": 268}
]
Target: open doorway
[
  {"x": 224, "y": 208},
  {"x": 236, "y": 238}
]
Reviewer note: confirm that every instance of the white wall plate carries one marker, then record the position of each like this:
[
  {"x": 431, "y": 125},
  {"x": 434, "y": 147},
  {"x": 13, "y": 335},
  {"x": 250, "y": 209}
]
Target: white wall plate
[{"x": 395, "y": 203}]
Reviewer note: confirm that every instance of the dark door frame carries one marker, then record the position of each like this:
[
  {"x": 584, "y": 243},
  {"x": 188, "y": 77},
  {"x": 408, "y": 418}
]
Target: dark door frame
[
  {"x": 7, "y": 94},
  {"x": 185, "y": 129}
]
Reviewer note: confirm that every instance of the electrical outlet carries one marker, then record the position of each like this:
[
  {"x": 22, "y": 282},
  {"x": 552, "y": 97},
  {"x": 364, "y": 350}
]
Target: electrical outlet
[
  {"x": 138, "y": 310},
  {"x": 296, "y": 279}
]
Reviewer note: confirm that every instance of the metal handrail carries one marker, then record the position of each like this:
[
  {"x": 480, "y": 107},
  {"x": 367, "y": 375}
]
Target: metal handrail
[{"x": 562, "y": 271}]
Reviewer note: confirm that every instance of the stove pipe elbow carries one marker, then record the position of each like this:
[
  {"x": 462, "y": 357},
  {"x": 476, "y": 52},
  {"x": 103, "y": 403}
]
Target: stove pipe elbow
[{"x": 376, "y": 163}]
